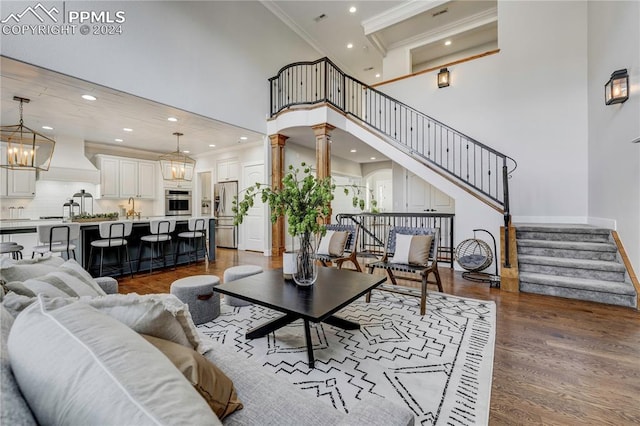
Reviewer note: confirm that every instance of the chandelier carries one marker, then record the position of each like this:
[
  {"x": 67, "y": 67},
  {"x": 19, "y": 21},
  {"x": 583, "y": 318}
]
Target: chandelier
[
  {"x": 176, "y": 165},
  {"x": 25, "y": 148}
]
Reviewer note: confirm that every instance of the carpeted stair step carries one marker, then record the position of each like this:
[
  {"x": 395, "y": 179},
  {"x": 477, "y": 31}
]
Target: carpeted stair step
[
  {"x": 562, "y": 233},
  {"x": 568, "y": 249},
  {"x": 615, "y": 293},
  {"x": 580, "y": 268}
]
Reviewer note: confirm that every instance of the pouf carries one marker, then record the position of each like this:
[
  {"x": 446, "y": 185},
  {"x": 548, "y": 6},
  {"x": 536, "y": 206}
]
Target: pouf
[
  {"x": 197, "y": 292},
  {"x": 235, "y": 273}
]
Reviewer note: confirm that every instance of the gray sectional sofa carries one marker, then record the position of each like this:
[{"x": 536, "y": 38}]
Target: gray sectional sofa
[{"x": 267, "y": 399}]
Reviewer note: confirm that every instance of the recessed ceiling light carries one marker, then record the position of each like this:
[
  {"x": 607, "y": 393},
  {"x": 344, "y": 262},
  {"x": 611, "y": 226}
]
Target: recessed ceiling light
[
  {"x": 377, "y": 75},
  {"x": 447, "y": 43},
  {"x": 118, "y": 140},
  {"x": 244, "y": 138},
  {"x": 353, "y": 150},
  {"x": 126, "y": 129},
  {"x": 186, "y": 151},
  {"x": 173, "y": 119},
  {"x": 350, "y": 46},
  {"x": 47, "y": 127},
  {"x": 373, "y": 158},
  {"x": 89, "y": 97},
  {"x": 352, "y": 9},
  {"x": 212, "y": 145}
]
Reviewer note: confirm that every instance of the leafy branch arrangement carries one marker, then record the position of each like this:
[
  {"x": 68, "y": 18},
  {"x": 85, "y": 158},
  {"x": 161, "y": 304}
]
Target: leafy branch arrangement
[{"x": 303, "y": 199}]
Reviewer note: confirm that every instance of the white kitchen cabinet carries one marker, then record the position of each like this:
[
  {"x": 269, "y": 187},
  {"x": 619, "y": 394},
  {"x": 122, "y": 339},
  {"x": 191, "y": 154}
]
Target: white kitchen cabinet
[
  {"x": 126, "y": 177},
  {"x": 109, "y": 176},
  {"x": 137, "y": 179},
  {"x": 21, "y": 183},
  {"x": 17, "y": 183},
  {"x": 228, "y": 170},
  {"x": 147, "y": 179}
]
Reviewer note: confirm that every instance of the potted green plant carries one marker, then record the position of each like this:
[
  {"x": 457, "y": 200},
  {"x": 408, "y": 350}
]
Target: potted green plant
[{"x": 305, "y": 202}]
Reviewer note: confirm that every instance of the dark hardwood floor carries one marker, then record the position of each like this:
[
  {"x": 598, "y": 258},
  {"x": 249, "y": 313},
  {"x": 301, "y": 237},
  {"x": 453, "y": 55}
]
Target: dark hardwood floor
[{"x": 557, "y": 361}]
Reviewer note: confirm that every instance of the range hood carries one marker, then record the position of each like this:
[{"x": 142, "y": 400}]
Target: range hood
[{"x": 69, "y": 163}]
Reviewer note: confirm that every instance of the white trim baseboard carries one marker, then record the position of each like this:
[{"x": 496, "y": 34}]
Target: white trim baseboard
[{"x": 603, "y": 222}]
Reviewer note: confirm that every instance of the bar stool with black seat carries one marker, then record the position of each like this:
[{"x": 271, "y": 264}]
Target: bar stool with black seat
[
  {"x": 113, "y": 237},
  {"x": 161, "y": 230},
  {"x": 196, "y": 234},
  {"x": 56, "y": 238},
  {"x": 12, "y": 248}
]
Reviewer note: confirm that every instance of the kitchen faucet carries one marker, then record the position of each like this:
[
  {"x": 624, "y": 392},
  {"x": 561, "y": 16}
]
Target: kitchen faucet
[{"x": 133, "y": 211}]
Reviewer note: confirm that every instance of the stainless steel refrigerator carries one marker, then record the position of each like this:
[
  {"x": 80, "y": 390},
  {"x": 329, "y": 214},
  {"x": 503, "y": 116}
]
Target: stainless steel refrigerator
[{"x": 226, "y": 231}]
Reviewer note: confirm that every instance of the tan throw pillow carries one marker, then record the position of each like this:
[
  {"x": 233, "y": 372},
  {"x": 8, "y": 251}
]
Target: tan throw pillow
[
  {"x": 419, "y": 249},
  {"x": 412, "y": 249},
  {"x": 333, "y": 243},
  {"x": 338, "y": 243},
  {"x": 214, "y": 386}
]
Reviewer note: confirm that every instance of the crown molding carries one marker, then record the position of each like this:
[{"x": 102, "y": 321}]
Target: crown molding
[
  {"x": 399, "y": 14},
  {"x": 460, "y": 26}
]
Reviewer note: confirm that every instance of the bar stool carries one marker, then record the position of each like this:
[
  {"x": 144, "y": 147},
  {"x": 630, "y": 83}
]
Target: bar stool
[
  {"x": 113, "y": 236},
  {"x": 57, "y": 239},
  {"x": 12, "y": 248},
  {"x": 160, "y": 235},
  {"x": 196, "y": 233}
]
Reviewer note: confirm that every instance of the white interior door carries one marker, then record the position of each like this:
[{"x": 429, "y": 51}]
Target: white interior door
[
  {"x": 252, "y": 228},
  {"x": 424, "y": 198}
]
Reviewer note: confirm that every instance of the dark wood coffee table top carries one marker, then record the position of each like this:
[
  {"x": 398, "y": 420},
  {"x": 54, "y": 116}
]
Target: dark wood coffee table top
[{"x": 334, "y": 289}]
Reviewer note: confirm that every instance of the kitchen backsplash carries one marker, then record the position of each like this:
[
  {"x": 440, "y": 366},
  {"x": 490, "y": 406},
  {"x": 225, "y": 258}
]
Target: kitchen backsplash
[{"x": 51, "y": 195}]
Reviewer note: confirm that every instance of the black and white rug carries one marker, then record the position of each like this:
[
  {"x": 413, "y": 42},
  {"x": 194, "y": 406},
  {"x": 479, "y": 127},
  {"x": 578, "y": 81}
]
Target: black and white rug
[{"x": 439, "y": 365}]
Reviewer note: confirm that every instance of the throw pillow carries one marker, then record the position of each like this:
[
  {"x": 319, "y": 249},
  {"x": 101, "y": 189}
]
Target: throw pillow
[
  {"x": 22, "y": 271},
  {"x": 210, "y": 382},
  {"x": 59, "y": 283},
  {"x": 76, "y": 365},
  {"x": 160, "y": 315},
  {"x": 412, "y": 249},
  {"x": 333, "y": 243},
  {"x": 325, "y": 241}
]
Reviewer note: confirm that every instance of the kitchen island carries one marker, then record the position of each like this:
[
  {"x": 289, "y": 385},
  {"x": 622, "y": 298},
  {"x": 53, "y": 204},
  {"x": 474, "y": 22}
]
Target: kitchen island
[{"x": 89, "y": 231}]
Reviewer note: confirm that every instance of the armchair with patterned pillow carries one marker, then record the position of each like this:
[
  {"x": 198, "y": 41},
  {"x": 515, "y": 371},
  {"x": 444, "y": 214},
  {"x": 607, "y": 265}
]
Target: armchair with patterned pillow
[{"x": 413, "y": 251}]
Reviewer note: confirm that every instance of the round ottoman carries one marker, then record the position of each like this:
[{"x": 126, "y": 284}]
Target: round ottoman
[
  {"x": 197, "y": 292},
  {"x": 235, "y": 273}
]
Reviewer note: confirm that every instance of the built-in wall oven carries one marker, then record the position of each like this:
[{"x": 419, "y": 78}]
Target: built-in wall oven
[{"x": 177, "y": 202}]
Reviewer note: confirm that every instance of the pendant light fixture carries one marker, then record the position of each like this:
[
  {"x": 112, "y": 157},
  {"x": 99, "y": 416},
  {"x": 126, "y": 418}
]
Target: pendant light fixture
[
  {"x": 25, "y": 148},
  {"x": 176, "y": 165}
]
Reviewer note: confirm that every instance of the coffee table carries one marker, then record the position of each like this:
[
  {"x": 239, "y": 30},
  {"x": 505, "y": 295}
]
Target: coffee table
[{"x": 335, "y": 289}]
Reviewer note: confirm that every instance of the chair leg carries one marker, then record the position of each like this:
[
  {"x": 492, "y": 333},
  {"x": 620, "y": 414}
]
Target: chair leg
[
  {"x": 101, "y": 259},
  {"x": 90, "y": 257},
  {"x": 126, "y": 249},
  {"x": 438, "y": 282},
  {"x": 171, "y": 251},
  {"x": 140, "y": 250},
  {"x": 423, "y": 294},
  {"x": 392, "y": 277}
]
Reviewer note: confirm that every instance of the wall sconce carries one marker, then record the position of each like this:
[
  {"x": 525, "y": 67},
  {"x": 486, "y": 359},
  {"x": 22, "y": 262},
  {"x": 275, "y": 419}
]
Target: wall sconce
[
  {"x": 443, "y": 78},
  {"x": 616, "y": 90}
]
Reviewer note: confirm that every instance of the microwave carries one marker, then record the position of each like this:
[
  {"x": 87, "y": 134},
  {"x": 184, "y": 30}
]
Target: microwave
[{"x": 177, "y": 202}]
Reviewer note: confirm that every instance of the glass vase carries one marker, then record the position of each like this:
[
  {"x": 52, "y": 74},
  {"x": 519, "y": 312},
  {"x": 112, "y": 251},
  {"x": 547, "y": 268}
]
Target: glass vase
[{"x": 306, "y": 266}]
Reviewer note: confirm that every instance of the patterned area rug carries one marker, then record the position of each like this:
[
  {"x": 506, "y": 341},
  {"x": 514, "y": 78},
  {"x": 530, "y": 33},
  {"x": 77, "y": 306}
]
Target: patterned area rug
[{"x": 438, "y": 365}]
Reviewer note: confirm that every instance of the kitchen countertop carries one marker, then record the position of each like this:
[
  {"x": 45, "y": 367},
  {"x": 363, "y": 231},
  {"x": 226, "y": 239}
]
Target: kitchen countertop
[{"x": 24, "y": 226}]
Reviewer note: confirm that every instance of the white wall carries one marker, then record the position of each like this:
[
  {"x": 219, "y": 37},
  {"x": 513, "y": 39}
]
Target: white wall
[
  {"x": 614, "y": 162},
  {"x": 208, "y": 57},
  {"x": 529, "y": 101}
]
